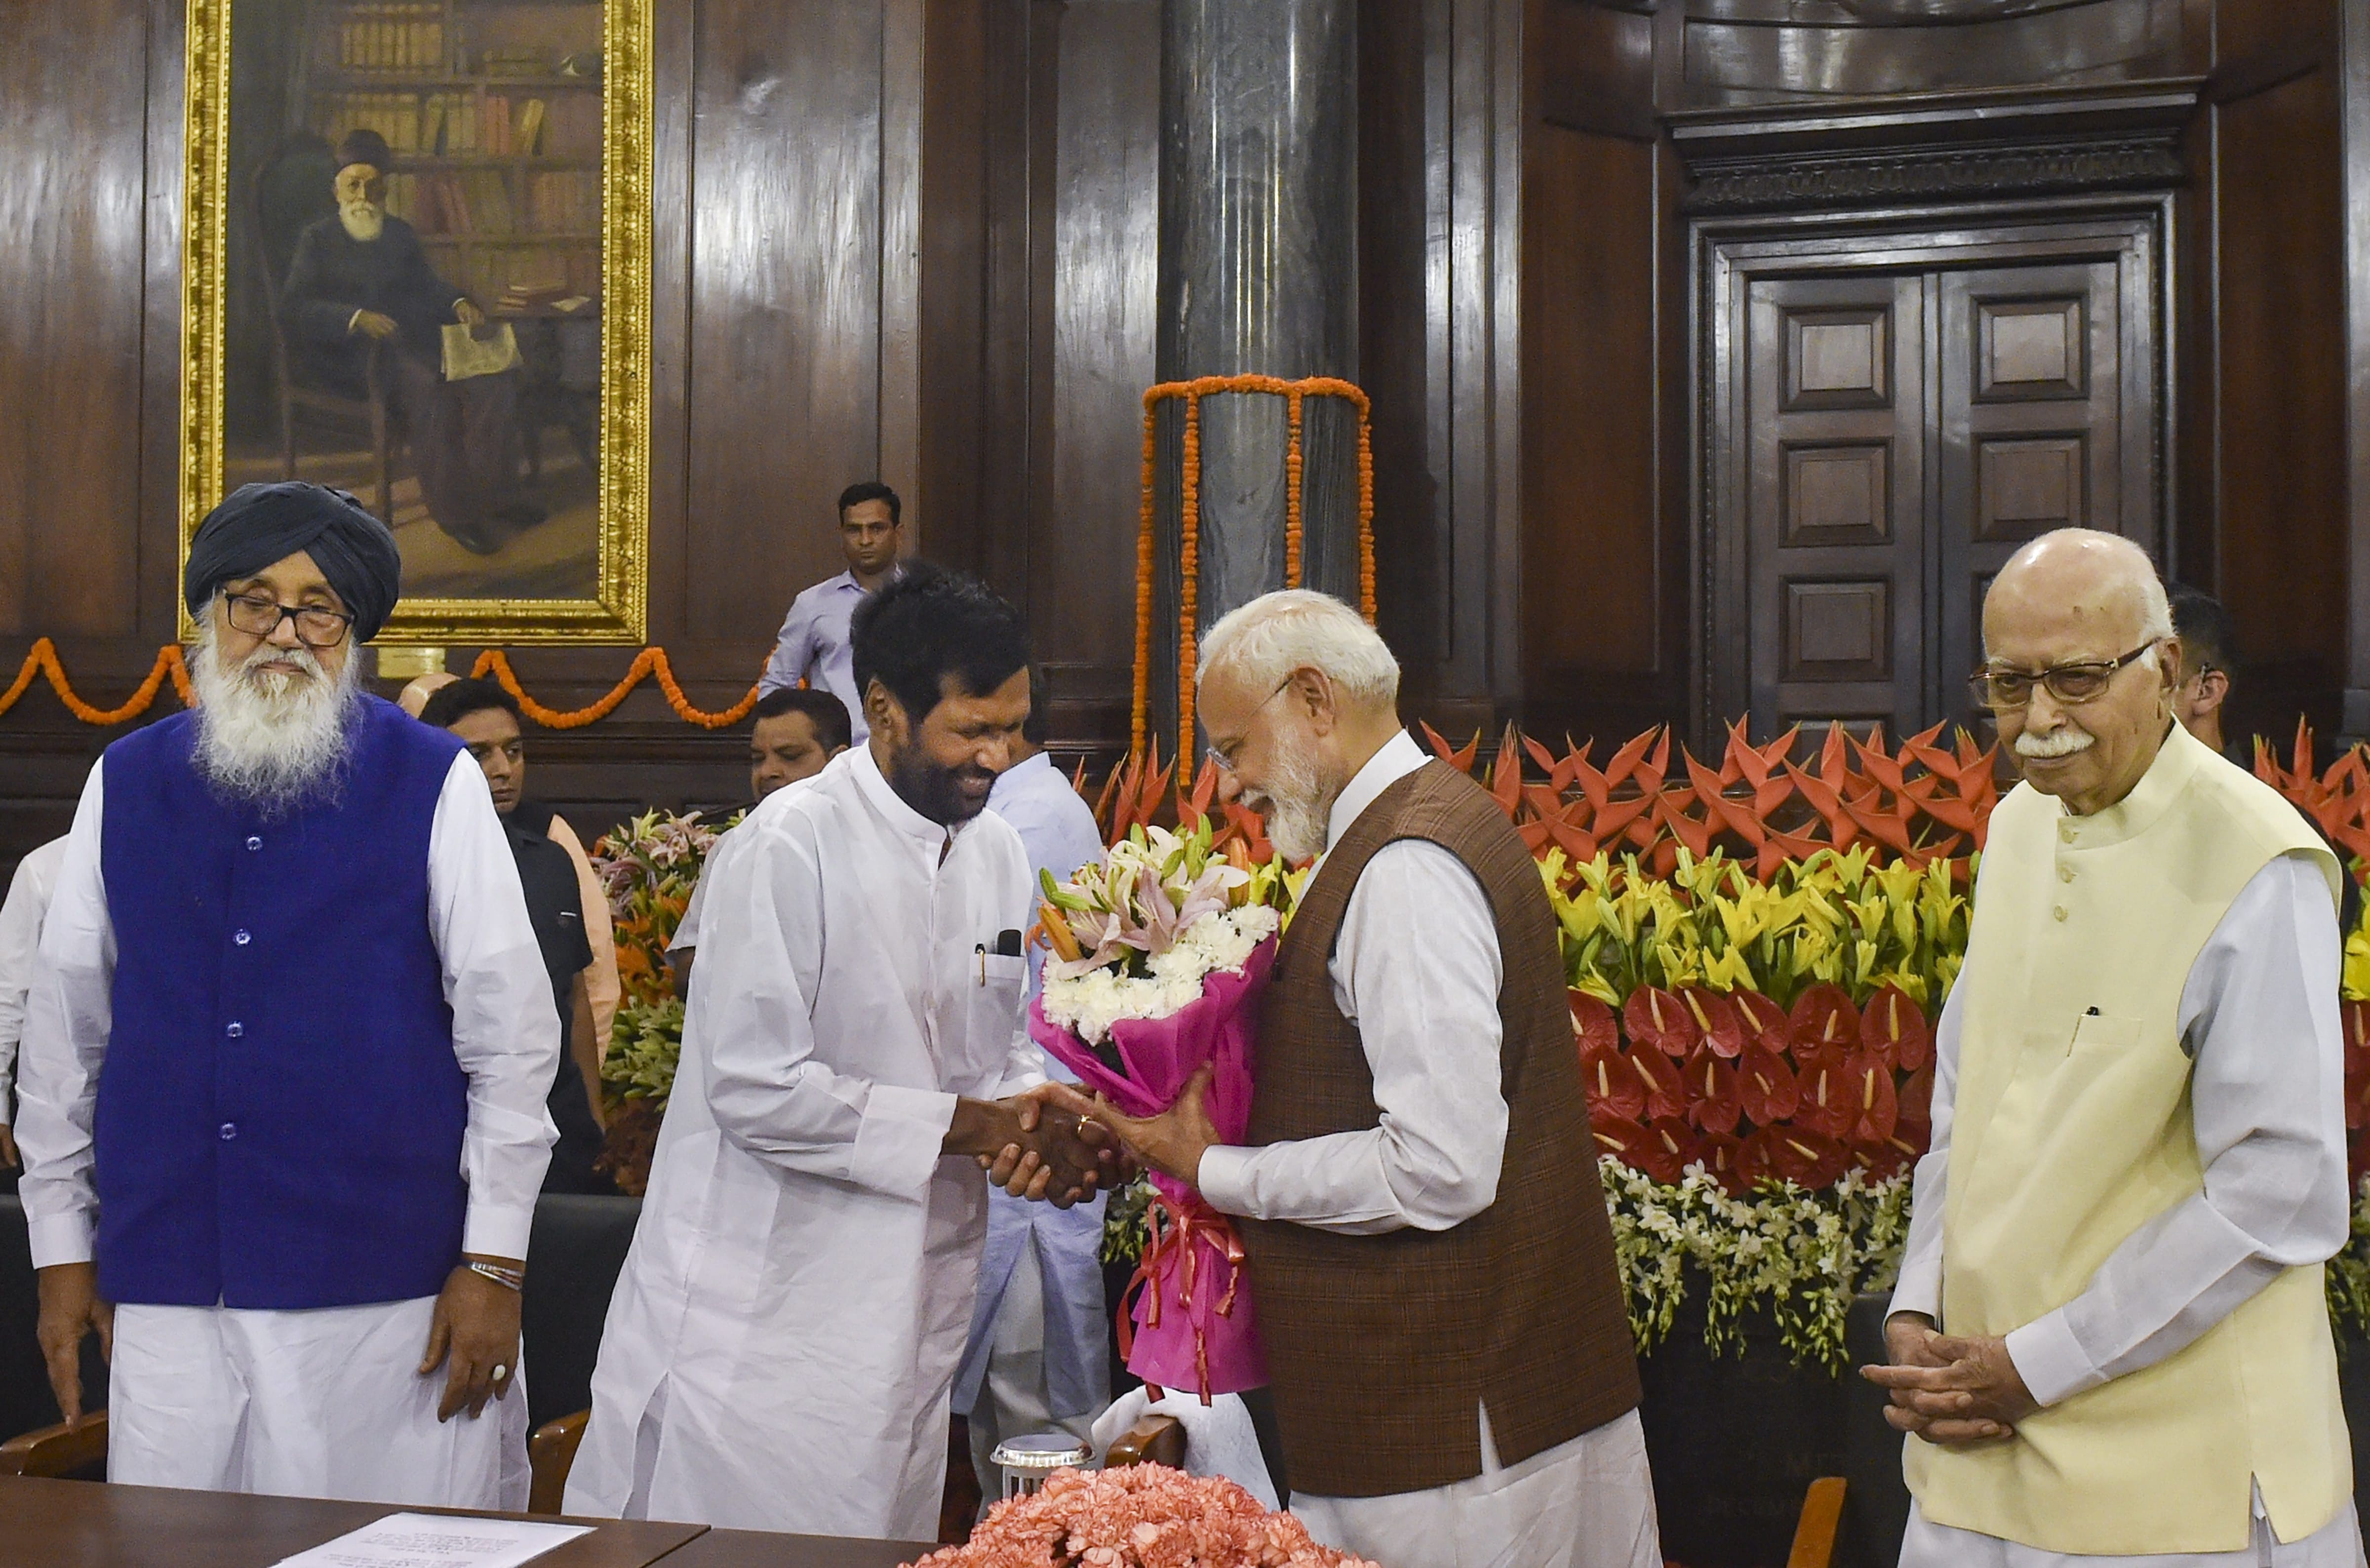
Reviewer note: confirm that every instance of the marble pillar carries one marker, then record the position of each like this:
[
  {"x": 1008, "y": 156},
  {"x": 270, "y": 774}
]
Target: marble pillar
[{"x": 1259, "y": 275}]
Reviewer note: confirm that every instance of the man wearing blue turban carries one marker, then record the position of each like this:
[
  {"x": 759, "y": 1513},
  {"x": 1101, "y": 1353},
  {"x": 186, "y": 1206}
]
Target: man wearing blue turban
[{"x": 283, "y": 1084}]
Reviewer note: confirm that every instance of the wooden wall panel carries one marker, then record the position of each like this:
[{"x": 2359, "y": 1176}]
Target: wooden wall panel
[
  {"x": 73, "y": 159},
  {"x": 2280, "y": 502},
  {"x": 785, "y": 360}
]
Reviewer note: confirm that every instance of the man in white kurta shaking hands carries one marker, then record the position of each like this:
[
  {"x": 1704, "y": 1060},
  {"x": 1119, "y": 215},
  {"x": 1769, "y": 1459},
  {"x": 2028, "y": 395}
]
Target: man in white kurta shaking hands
[{"x": 780, "y": 1349}]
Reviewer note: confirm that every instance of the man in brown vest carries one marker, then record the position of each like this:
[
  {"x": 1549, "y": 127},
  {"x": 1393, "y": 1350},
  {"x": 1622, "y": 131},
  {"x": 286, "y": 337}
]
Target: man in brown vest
[{"x": 1433, "y": 1271}]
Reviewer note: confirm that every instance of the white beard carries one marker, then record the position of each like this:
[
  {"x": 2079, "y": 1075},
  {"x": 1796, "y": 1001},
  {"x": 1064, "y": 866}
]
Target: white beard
[
  {"x": 267, "y": 737},
  {"x": 2057, "y": 744},
  {"x": 361, "y": 220},
  {"x": 1298, "y": 812}
]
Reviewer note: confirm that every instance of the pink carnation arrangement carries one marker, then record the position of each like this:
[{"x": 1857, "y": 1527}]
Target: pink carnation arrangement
[{"x": 1138, "y": 1516}]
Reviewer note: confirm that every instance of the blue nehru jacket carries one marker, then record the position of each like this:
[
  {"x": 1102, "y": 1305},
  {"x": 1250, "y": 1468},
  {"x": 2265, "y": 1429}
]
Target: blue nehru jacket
[{"x": 278, "y": 1113}]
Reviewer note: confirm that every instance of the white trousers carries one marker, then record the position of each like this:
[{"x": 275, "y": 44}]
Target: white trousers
[
  {"x": 322, "y": 1404},
  {"x": 1585, "y": 1504},
  {"x": 1013, "y": 1400},
  {"x": 2337, "y": 1544}
]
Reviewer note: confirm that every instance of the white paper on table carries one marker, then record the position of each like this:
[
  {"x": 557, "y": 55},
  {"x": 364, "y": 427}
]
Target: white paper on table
[{"x": 437, "y": 1541}]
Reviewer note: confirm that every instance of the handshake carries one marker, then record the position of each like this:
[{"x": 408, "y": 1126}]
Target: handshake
[{"x": 1033, "y": 1147}]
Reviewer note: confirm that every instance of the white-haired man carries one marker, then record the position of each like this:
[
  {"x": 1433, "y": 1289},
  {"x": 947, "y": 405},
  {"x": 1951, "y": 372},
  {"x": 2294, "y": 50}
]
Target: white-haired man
[
  {"x": 284, "y": 1094},
  {"x": 2109, "y": 1338},
  {"x": 1452, "y": 1366}
]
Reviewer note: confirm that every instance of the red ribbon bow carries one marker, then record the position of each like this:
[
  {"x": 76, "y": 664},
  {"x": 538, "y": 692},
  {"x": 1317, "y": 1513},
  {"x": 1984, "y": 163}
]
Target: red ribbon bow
[{"x": 1175, "y": 1228}]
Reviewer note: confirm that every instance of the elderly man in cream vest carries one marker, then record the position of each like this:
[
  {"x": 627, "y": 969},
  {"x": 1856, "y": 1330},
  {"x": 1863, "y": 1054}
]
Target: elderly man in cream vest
[{"x": 2110, "y": 1338}]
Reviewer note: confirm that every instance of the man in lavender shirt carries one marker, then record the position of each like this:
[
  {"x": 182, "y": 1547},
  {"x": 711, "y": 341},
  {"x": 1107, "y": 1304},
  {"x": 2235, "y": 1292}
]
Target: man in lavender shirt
[{"x": 814, "y": 646}]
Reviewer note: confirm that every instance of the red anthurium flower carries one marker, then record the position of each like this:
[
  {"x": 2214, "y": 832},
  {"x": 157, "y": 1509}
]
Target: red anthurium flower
[
  {"x": 1764, "y": 1021},
  {"x": 2355, "y": 1016},
  {"x": 1614, "y": 1087},
  {"x": 1594, "y": 1025},
  {"x": 1668, "y": 1146},
  {"x": 1767, "y": 1087},
  {"x": 1806, "y": 1159},
  {"x": 1875, "y": 1110},
  {"x": 1621, "y": 1137},
  {"x": 1894, "y": 1026},
  {"x": 1715, "y": 1100},
  {"x": 1914, "y": 1123},
  {"x": 2357, "y": 1099},
  {"x": 1665, "y": 1095},
  {"x": 1717, "y": 1153},
  {"x": 1659, "y": 1019},
  {"x": 1756, "y": 1160},
  {"x": 1823, "y": 1019},
  {"x": 2357, "y": 1161},
  {"x": 1880, "y": 1161},
  {"x": 1828, "y": 1097},
  {"x": 1716, "y": 1017}
]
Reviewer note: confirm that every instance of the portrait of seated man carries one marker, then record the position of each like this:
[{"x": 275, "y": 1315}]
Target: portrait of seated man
[{"x": 362, "y": 277}]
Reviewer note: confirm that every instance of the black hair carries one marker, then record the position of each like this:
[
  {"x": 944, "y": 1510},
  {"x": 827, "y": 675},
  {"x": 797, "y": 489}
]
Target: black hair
[
  {"x": 448, "y": 705},
  {"x": 824, "y": 710},
  {"x": 927, "y": 624},
  {"x": 1037, "y": 727},
  {"x": 2209, "y": 640},
  {"x": 871, "y": 489}
]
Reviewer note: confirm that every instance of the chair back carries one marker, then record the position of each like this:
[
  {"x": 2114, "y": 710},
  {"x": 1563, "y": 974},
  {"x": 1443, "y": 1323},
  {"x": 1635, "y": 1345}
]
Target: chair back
[
  {"x": 60, "y": 1452},
  {"x": 574, "y": 1255},
  {"x": 289, "y": 188}
]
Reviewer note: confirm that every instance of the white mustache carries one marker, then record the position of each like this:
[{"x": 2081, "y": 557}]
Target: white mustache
[{"x": 2059, "y": 744}]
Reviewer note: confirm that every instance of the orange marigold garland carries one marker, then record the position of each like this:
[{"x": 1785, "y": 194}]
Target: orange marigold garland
[
  {"x": 1190, "y": 394},
  {"x": 42, "y": 659}
]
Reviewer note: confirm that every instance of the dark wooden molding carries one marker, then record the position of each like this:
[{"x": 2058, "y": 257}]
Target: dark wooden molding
[{"x": 1936, "y": 147}]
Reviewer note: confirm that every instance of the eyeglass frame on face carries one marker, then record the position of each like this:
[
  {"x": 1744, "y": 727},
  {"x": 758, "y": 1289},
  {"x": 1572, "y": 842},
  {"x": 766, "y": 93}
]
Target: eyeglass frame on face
[
  {"x": 256, "y": 603},
  {"x": 1224, "y": 755},
  {"x": 1979, "y": 684}
]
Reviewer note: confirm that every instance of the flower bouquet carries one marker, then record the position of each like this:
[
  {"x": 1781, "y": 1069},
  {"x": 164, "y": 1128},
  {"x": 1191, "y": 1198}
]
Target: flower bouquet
[
  {"x": 1158, "y": 957},
  {"x": 1137, "y": 1516}
]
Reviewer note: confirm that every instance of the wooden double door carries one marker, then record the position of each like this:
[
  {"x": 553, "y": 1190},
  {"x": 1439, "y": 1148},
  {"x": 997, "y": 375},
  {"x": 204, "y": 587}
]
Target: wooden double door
[{"x": 1890, "y": 420}]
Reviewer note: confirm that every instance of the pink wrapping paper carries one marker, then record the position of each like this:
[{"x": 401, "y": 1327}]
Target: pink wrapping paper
[{"x": 1193, "y": 1324}]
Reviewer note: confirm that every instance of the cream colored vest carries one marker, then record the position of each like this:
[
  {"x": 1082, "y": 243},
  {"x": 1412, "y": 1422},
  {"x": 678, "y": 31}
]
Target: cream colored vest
[{"x": 2071, "y": 1128}]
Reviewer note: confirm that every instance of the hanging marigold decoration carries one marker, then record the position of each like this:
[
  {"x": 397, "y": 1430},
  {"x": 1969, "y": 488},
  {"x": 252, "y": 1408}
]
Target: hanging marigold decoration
[{"x": 1189, "y": 543}]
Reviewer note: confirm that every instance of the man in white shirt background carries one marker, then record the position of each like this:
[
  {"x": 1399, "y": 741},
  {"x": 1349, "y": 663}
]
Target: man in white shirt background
[
  {"x": 20, "y": 941},
  {"x": 1040, "y": 1352},
  {"x": 813, "y": 647},
  {"x": 282, "y": 1100}
]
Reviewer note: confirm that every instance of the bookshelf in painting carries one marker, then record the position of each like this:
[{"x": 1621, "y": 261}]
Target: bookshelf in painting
[{"x": 492, "y": 110}]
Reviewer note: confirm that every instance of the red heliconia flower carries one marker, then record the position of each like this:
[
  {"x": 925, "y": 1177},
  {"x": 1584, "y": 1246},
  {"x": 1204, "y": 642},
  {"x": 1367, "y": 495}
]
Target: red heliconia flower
[
  {"x": 1767, "y": 1087},
  {"x": 1894, "y": 1026},
  {"x": 1717, "y": 1153},
  {"x": 1806, "y": 1157},
  {"x": 1614, "y": 1087},
  {"x": 1658, "y": 1019},
  {"x": 1823, "y": 1019},
  {"x": 1593, "y": 1024},
  {"x": 1875, "y": 1110},
  {"x": 1827, "y": 1097},
  {"x": 1715, "y": 1099},
  {"x": 1665, "y": 1095},
  {"x": 1668, "y": 1146},
  {"x": 1764, "y": 1021},
  {"x": 1621, "y": 1137},
  {"x": 1914, "y": 1122},
  {"x": 1721, "y": 1026}
]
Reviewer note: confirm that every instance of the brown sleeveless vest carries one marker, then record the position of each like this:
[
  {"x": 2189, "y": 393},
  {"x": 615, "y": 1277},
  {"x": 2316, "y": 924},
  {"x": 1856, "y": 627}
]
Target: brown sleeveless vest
[{"x": 1383, "y": 1348}]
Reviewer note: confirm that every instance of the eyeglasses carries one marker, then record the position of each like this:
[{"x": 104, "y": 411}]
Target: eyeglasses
[
  {"x": 1224, "y": 755},
  {"x": 2071, "y": 684},
  {"x": 259, "y": 615}
]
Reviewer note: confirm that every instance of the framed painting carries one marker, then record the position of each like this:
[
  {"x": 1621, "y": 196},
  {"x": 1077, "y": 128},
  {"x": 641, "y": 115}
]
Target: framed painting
[{"x": 416, "y": 267}]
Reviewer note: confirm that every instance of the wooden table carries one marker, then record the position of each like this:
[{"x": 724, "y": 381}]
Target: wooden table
[{"x": 80, "y": 1524}]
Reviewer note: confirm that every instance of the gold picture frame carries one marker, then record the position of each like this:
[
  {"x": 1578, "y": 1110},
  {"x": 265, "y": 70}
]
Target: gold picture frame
[{"x": 615, "y": 609}]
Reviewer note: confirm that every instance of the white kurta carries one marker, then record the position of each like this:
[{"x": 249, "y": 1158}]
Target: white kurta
[
  {"x": 779, "y": 1349},
  {"x": 243, "y": 1401},
  {"x": 2259, "y": 1018},
  {"x": 1417, "y": 968},
  {"x": 20, "y": 940}
]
